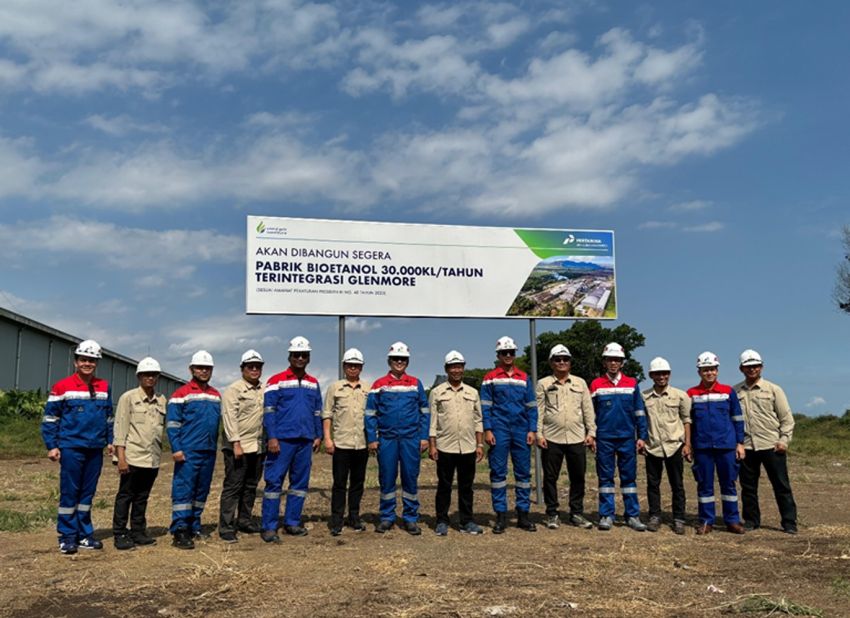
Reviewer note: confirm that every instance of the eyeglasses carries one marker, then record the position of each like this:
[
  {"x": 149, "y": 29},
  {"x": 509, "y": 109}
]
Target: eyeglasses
[
  {"x": 253, "y": 366},
  {"x": 148, "y": 374},
  {"x": 398, "y": 359},
  {"x": 299, "y": 354},
  {"x": 561, "y": 359},
  {"x": 507, "y": 353}
]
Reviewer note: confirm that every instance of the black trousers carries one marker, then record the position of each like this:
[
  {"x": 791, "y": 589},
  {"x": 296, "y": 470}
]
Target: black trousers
[
  {"x": 133, "y": 491},
  {"x": 553, "y": 459},
  {"x": 239, "y": 491},
  {"x": 776, "y": 466},
  {"x": 447, "y": 463},
  {"x": 675, "y": 467},
  {"x": 349, "y": 472}
]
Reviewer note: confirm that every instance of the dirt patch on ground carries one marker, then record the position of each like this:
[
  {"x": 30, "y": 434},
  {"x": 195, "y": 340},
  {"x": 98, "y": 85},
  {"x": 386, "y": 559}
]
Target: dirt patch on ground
[{"x": 556, "y": 572}]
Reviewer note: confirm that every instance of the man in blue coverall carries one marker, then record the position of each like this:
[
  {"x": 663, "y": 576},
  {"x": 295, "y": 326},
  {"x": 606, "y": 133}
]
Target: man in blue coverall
[
  {"x": 397, "y": 420},
  {"x": 509, "y": 408}
]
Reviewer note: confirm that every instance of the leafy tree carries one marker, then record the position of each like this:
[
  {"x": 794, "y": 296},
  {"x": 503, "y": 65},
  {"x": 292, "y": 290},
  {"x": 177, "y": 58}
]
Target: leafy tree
[
  {"x": 586, "y": 340},
  {"x": 842, "y": 284}
]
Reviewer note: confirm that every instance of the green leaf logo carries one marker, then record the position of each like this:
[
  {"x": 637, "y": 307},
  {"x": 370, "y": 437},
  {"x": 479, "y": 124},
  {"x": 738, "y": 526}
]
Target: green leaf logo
[{"x": 261, "y": 227}]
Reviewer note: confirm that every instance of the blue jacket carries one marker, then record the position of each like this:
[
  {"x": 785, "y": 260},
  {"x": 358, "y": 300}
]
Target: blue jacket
[
  {"x": 716, "y": 416},
  {"x": 191, "y": 418},
  {"x": 508, "y": 401},
  {"x": 292, "y": 407},
  {"x": 397, "y": 408},
  {"x": 619, "y": 408},
  {"x": 73, "y": 418}
]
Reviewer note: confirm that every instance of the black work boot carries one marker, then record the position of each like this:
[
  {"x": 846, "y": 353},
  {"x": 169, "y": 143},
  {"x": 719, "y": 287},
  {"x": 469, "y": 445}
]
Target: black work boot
[
  {"x": 523, "y": 522},
  {"x": 501, "y": 523},
  {"x": 183, "y": 539},
  {"x": 123, "y": 541}
]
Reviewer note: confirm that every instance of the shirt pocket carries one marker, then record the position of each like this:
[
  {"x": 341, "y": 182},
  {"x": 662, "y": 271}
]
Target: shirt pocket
[{"x": 551, "y": 398}]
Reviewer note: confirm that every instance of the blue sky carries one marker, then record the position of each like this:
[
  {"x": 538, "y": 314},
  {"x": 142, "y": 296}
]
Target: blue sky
[{"x": 136, "y": 137}]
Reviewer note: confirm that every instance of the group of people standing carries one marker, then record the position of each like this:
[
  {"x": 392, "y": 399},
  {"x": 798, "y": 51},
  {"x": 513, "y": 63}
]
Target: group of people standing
[{"x": 272, "y": 431}]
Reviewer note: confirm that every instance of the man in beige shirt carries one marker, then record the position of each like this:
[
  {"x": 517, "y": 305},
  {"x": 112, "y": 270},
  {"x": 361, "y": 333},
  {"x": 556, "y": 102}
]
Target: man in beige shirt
[
  {"x": 769, "y": 425},
  {"x": 139, "y": 420},
  {"x": 242, "y": 420},
  {"x": 456, "y": 442},
  {"x": 566, "y": 428},
  {"x": 345, "y": 440},
  {"x": 668, "y": 413}
]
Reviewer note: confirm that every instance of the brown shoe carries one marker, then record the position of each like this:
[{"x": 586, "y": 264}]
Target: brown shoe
[
  {"x": 735, "y": 528},
  {"x": 704, "y": 528}
]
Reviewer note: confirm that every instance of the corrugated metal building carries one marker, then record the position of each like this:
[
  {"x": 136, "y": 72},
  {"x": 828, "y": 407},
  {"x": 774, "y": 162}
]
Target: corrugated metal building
[{"x": 34, "y": 356}]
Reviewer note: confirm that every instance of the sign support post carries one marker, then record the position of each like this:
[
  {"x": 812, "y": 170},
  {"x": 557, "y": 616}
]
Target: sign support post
[
  {"x": 341, "y": 345},
  {"x": 538, "y": 464}
]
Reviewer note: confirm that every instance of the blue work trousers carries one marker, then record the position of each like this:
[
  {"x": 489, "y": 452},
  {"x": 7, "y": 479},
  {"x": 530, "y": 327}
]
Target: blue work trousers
[
  {"x": 511, "y": 441},
  {"x": 396, "y": 454},
  {"x": 294, "y": 459},
  {"x": 622, "y": 454},
  {"x": 190, "y": 488},
  {"x": 79, "y": 471},
  {"x": 705, "y": 462}
]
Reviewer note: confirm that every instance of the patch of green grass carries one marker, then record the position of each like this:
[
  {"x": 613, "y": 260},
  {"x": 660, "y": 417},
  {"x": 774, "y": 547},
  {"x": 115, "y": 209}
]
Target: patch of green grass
[
  {"x": 822, "y": 435},
  {"x": 20, "y": 437},
  {"x": 18, "y": 521},
  {"x": 8, "y": 496},
  {"x": 102, "y": 503},
  {"x": 781, "y": 606},
  {"x": 841, "y": 585}
]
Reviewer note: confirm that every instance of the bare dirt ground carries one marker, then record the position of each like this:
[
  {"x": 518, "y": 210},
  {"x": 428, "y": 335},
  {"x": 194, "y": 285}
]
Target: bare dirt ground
[{"x": 555, "y": 572}]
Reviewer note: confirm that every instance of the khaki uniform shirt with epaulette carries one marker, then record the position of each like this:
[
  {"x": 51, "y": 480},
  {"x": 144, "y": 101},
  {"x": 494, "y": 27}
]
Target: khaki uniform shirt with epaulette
[
  {"x": 767, "y": 416},
  {"x": 242, "y": 415},
  {"x": 565, "y": 410},
  {"x": 666, "y": 416},
  {"x": 455, "y": 418},
  {"x": 345, "y": 405},
  {"x": 138, "y": 427}
]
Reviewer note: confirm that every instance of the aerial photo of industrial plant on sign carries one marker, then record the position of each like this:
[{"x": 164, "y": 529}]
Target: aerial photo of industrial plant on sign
[{"x": 568, "y": 286}]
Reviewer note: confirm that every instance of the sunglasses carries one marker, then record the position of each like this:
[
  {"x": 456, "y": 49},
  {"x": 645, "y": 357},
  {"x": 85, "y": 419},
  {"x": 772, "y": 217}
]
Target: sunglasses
[
  {"x": 299, "y": 354},
  {"x": 507, "y": 353},
  {"x": 561, "y": 359},
  {"x": 398, "y": 359},
  {"x": 253, "y": 366}
]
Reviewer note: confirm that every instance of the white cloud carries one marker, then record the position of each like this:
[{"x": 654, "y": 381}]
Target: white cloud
[
  {"x": 691, "y": 206},
  {"x": 121, "y": 125},
  {"x": 361, "y": 325},
  {"x": 711, "y": 226},
  {"x": 20, "y": 168},
  {"x": 656, "y": 225},
  {"x": 817, "y": 400}
]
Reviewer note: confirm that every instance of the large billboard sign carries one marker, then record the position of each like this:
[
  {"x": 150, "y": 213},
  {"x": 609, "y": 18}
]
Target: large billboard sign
[{"x": 360, "y": 268}]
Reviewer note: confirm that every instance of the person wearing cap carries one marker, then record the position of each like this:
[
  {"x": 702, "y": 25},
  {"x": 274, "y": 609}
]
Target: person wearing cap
[
  {"x": 397, "y": 419},
  {"x": 293, "y": 425},
  {"x": 668, "y": 412},
  {"x": 345, "y": 441},
  {"x": 242, "y": 423},
  {"x": 768, "y": 427},
  {"x": 139, "y": 421},
  {"x": 509, "y": 410},
  {"x": 566, "y": 428},
  {"x": 77, "y": 424},
  {"x": 620, "y": 432},
  {"x": 456, "y": 442},
  {"x": 717, "y": 435},
  {"x": 191, "y": 422}
]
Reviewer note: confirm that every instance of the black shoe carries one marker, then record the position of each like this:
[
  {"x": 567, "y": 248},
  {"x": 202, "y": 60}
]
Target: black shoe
[
  {"x": 200, "y": 535},
  {"x": 250, "y": 528},
  {"x": 501, "y": 523},
  {"x": 412, "y": 528},
  {"x": 270, "y": 536},
  {"x": 298, "y": 530},
  {"x": 749, "y": 526},
  {"x": 523, "y": 522},
  {"x": 356, "y": 524},
  {"x": 142, "y": 538},
  {"x": 336, "y": 530},
  {"x": 228, "y": 537},
  {"x": 123, "y": 541},
  {"x": 183, "y": 540},
  {"x": 384, "y": 526},
  {"x": 789, "y": 529}
]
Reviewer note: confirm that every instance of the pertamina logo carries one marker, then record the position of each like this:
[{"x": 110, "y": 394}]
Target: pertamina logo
[{"x": 570, "y": 239}]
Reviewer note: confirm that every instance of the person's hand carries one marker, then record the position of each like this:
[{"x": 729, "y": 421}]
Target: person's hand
[
  {"x": 641, "y": 447},
  {"x": 531, "y": 437},
  {"x": 479, "y": 454},
  {"x": 329, "y": 446},
  {"x": 178, "y": 456},
  {"x": 54, "y": 454},
  {"x": 373, "y": 447},
  {"x": 740, "y": 452},
  {"x": 273, "y": 446},
  {"x": 590, "y": 442},
  {"x": 110, "y": 450},
  {"x": 237, "y": 450},
  {"x": 542, "y": 443},
  {"x": 317, "y": 444},
  {"x": 687, "y": 453},
  {"x": 423, "y": 446},
  {"x": 489, "y": 437},
  {"x": 123, "y": 466},
  {"x": 781, "y": 448},
  {"x": 432, "y": 452}
]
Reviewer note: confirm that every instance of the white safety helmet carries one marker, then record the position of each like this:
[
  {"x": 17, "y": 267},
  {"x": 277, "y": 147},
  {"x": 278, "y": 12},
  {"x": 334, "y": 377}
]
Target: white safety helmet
[
  {"x": 750, "y": 358},
  {"x": 202, "y": 358},
  {"x": 299, "y": 344},
  {"x": 251, "y": 356},
  {"x": 613, "y": 350},
  {"x": 399, "y": 348},
  {"x": 148, "y": 365},
  {"x": 89, "y": 348},
  {"x": 353, "y": 356},
  {"x": 707, "y": 359},
  {"x": 454, "y": 357},
  {"x": 505, "y": 343},
  {"x": 659, "y": 364},
  {"x": 559, "y": 350}
]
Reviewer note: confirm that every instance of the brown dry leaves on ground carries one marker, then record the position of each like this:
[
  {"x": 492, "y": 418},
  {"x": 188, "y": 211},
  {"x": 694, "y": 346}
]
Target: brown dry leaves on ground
[{"x": 554, "y": 572}]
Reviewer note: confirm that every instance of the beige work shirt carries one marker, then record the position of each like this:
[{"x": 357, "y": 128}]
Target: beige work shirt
[
  {"x": 455, "y": 418},
  {"x": 565, "y": 410},
  {"x": 139, "y": 420},
  {"x": 767, "y": 416},
  {"x": 242, "y": 415},
  {"x": 666, "y": 415},
  {"x": 345, "y": 404}
]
